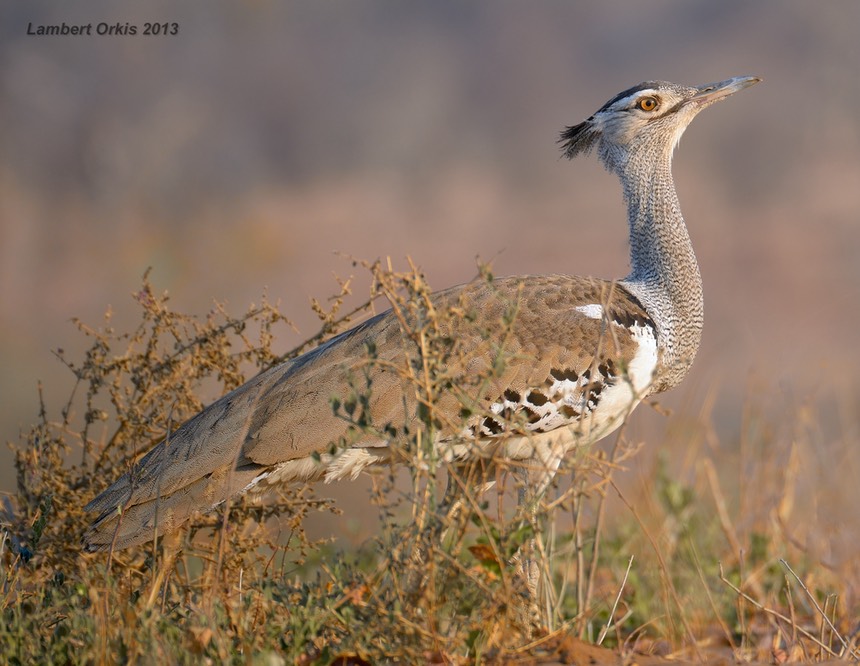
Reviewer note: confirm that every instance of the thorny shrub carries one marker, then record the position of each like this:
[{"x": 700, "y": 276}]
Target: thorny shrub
[
  {"x": 441, "y": 574},
  {"x": 438, "y": 582}
]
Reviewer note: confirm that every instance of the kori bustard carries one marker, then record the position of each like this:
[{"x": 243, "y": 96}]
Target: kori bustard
[{"x": 580, "y": 354}]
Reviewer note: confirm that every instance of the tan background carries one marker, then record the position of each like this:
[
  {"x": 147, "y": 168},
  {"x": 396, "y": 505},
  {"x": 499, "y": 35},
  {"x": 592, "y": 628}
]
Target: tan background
[{"x": 266, "y": 136}]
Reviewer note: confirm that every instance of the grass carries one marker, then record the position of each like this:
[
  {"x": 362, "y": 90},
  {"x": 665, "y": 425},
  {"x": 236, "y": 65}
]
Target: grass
[{"x": 693, "y": 564}]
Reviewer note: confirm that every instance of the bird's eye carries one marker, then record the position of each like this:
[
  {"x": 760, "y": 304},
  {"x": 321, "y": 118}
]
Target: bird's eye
[{"x": 647, "y": 104}]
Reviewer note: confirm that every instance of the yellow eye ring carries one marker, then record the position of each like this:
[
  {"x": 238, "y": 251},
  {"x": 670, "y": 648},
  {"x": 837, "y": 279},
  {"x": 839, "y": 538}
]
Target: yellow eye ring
[{"x": 647, "y": 104}]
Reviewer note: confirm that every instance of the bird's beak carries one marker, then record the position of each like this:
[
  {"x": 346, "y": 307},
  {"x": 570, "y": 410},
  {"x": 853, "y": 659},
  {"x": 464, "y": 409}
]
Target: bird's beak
[{"x": 714, "y": 92}]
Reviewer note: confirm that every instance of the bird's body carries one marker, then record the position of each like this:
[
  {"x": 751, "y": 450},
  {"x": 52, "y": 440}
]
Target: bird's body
[{"x": 578, "y": 355}]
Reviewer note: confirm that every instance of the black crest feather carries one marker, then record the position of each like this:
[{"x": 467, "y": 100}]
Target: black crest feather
[{"x": 578, "y": 139}]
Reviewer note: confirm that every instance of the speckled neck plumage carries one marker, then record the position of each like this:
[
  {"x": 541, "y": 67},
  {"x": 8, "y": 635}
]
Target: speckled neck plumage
[{"x": 664, "y": 273}]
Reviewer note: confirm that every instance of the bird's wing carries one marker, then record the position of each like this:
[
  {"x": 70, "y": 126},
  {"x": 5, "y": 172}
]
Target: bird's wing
[
  {"x": 514, "y": 332},
  {"x": 509, "y": 335}
]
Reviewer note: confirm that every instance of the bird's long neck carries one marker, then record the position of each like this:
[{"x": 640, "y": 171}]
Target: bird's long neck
[{"x": 665, "y": 275}]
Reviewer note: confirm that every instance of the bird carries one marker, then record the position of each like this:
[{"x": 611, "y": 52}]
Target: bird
[{"x": 580, "y": 353}]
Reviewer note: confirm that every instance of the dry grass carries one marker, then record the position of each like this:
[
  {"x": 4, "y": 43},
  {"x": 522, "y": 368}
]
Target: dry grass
[{"x": 674, "y": 570}]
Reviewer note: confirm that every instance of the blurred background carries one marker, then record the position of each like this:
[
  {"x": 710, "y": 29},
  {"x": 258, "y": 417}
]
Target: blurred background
[{"x": 267, "y": 137}]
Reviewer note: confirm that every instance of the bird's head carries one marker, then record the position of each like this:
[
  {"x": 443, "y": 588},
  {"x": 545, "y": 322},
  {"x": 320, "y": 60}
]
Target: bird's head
[{"x": 651, "y": 116}]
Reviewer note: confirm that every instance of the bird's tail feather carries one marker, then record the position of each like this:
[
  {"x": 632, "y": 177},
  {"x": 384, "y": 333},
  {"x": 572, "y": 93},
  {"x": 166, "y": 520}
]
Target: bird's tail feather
[{"x": 122, "y": 525}]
